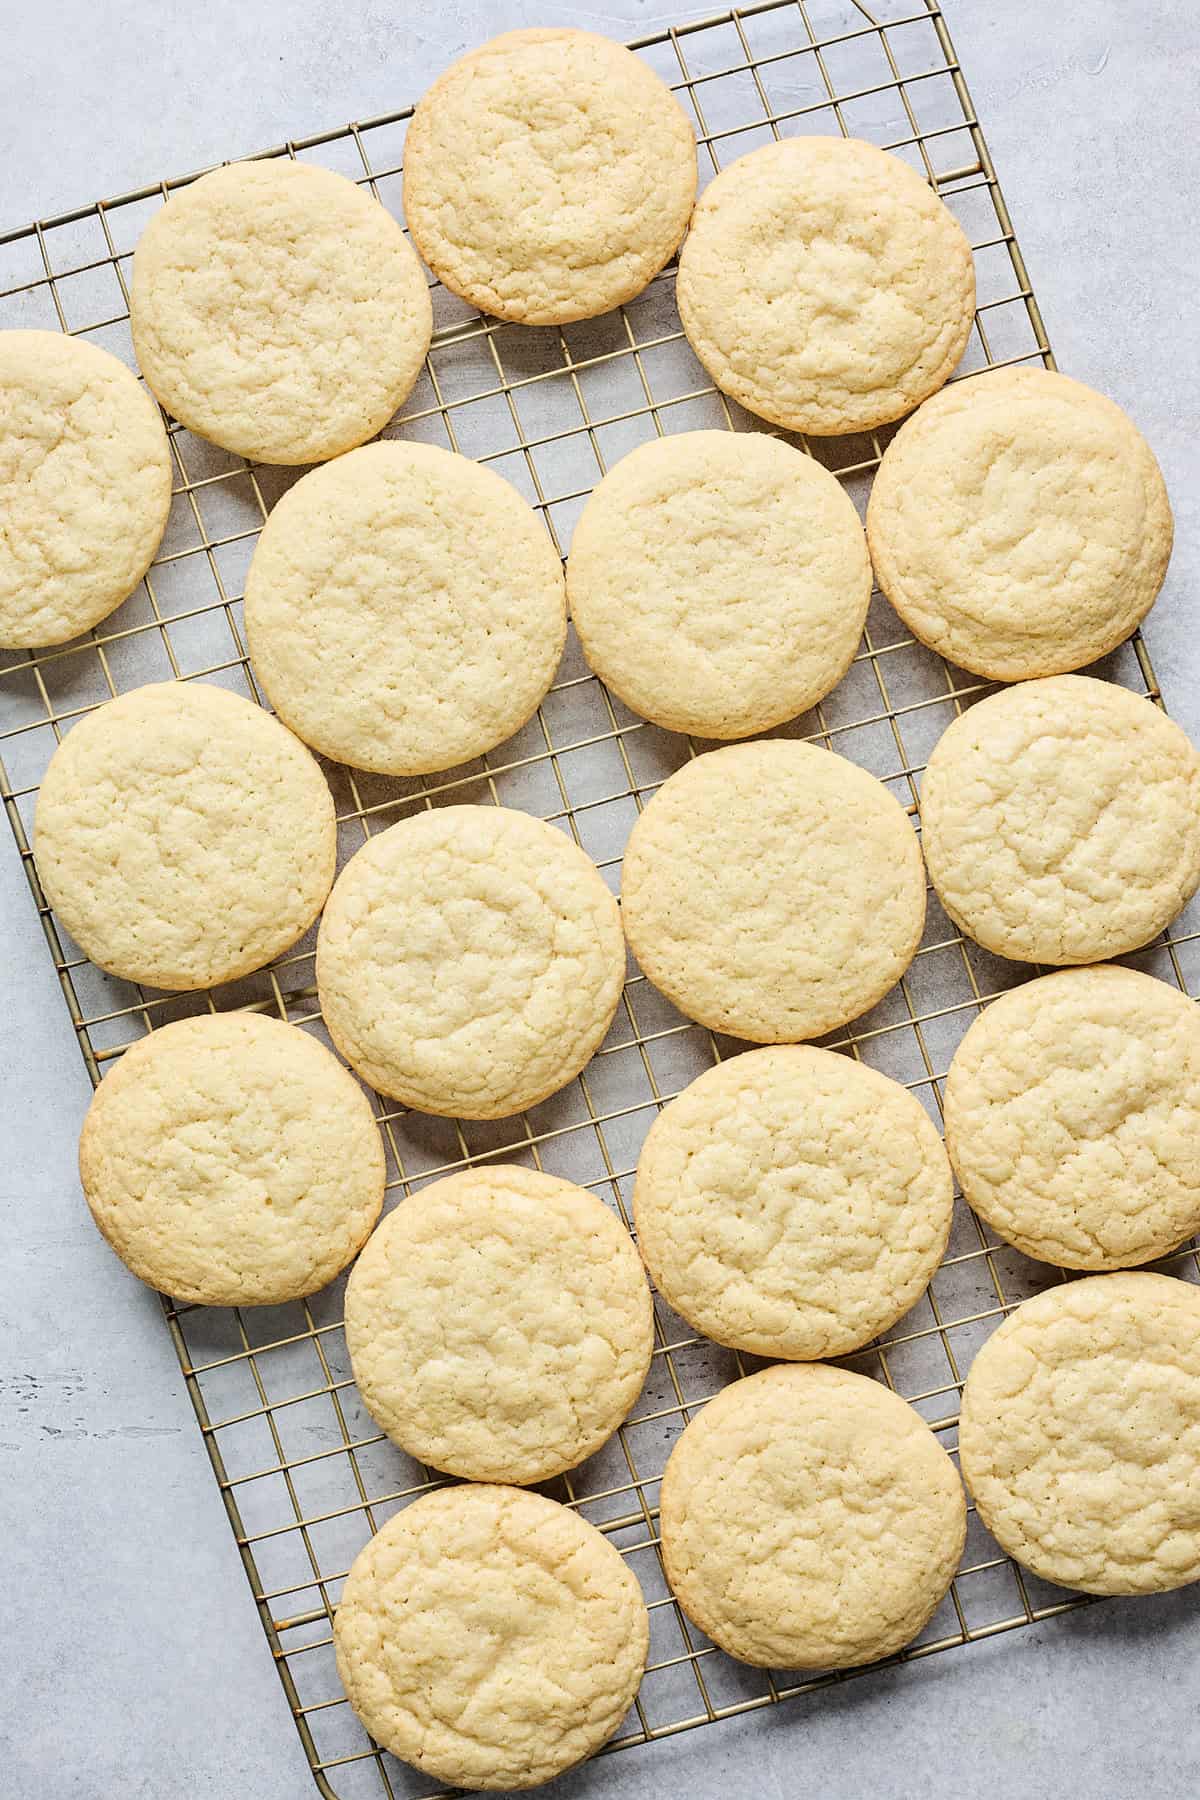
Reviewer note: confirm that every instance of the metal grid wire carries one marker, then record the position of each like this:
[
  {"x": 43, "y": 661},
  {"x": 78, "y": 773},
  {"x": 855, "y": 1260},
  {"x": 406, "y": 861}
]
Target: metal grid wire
[{"x": 304, "y": 1474}]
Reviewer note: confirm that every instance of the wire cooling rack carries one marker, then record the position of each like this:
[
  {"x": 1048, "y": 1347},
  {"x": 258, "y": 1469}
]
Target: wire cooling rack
[{"x": 304, "y": 1474}]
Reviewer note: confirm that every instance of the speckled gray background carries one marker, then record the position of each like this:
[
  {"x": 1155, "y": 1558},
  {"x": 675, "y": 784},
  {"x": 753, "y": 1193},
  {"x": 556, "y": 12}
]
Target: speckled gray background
[{"x": 133, "y": 1663}]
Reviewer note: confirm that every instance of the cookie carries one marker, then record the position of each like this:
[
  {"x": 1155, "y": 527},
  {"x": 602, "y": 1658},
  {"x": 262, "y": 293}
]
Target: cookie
[
  {"x": 1019, "y": 524},
  {"x": 548, "y": 176},
  {"x": 183, "y": 836},
  {"x": 824, "y": 285},
  {"x": 490, "y": 1637},
  {"x": 230, "y": 1160},
  {"x": 277, "y": 309},
  {"x": 1079, "y": 1435},
  {"x": 719, "y": 583},
  {"x": 1061, "y": 821},
  {"x": 469, "y": 961},
  {"x": 499, "y": 1324},
  {"x": 404, "y": 609},
  {"x": 1073, "y": 1117},
  {"x": 810, "y": 1519},
  {"x": 773, "y": 890},
  {"x": 792, "y": 1202},
  {"x": 85, "y": 486}
]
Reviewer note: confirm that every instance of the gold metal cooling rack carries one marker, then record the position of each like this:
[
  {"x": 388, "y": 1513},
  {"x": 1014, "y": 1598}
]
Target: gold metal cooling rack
[{"x": 304, "y": 1474}]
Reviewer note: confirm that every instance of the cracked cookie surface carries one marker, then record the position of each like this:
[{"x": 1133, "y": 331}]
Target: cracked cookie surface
[
  {"x": 1080, "y": 1434},
  {"x": 469, "y": 961},
  {"x": 719, "y": 582},
  {"x": 810, "y": 1519},
  {"x": 1073, "y": 1117},
  {"x": 278, "y": 311},
  {"x": 548, "y": 176},
  {"x": 1019, "y": 524},
  {"x": 499, "y": 1324},
  {"x": 405, "y": 609},
  {"x": 85, "y": 486},
  {"x": 183, "y": 835},
  {"x": 1061, "y": 821},
  {"x": 490, "y": 1637},
  {"x": 792, "y": 1202},
  {"x": 230, "y": 1160},
  {"x": 825, "y": 286},
  {"x": 773, "y": 890}
]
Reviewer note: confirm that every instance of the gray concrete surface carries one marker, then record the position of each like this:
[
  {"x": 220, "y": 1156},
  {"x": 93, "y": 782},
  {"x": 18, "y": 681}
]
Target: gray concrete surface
[{"x": 133, "y": 1662}]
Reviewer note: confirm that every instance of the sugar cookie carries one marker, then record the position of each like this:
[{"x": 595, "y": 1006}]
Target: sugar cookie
[
  {"x": 490, "y": 1637},
  {"x": 773, "y": 890},
  {"x": 1080, "y": 1434},
  {"x": 230, "y": 1160},
  {"x": 469, "y": 961},
  {"x": 183, "y": 836},
  {"x": 1073, "y": 1117},
  {"x": 792, "y": 1202},
  {"x": 277, "y": 309},
  {"x": 1061, "y": 821},
  {"x": 1019, "y": 524},
  {"x": 825, "y": 286},
  {"x": 85, "y": 486},
  {"x": 810, "y": 1519},
  {"x": 719, "y": 582},
  {"x": 548, "y": 176},
  {"x": 405, "y": 609},
  {"x": 499, "y": 1324}
]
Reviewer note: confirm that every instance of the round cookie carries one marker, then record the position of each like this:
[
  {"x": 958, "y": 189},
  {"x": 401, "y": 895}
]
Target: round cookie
[
  {"x": 719, "y": 582},
  {"x": 773, "y": 890},
  {"x": 1072, "y": 1113},
  {"x": 792, "y": 1202},
  {"x": 1019, "y": 524},
  {"x": 548, "y": 176},
  {"x": 810, "y": 1519},
  {"x": 825, "y": 286},
  {"x": 230, "y": 1160},
  {"x": 499, "y": 1324},
  {"x": 469, "y": 961},
  {"x": 1079, "y": 1434},
  {"x": 183, "y": 836},
  {"x": 490, "y": 1637},
  {"x": 277, "y": 310},
  {"x": 405, "y": 609},
  {"x": 85, "y": 486},
  {"x": 1061, "y": 821}
]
